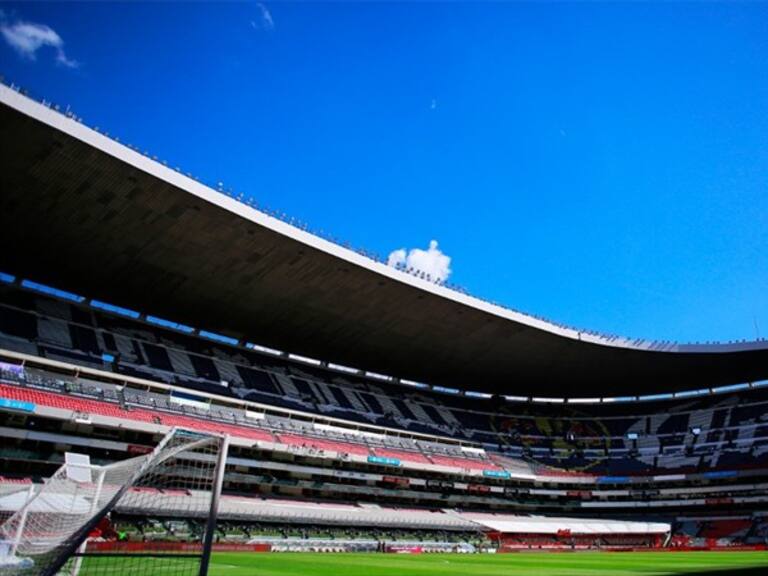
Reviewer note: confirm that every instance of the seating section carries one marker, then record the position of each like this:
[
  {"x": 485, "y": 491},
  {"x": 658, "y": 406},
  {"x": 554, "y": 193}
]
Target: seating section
[
  {"x": 156, "y": 409},
  {"x": 731, "y": 528},
  {"x": 714, "y": 531},
  {"x": 464, "y": 462},
  {"x": 402, "y": 455},
  {"x": 613, "y": 440},
  {"x": 85, "y": 406},
  {"x": 579, "y": 542},
  {"x": 319, "y": 444},
  {"x": 329, "y": 538},
  {"x": 578, "y": 456}
]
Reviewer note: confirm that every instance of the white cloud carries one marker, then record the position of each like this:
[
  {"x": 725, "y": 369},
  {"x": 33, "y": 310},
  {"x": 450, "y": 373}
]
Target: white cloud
[
  {"x": 27, "y": 38},
  {"x": 431, "y": 261},
  {"x": 265, "y": 21},
  {"x": 397, "y": 257}
]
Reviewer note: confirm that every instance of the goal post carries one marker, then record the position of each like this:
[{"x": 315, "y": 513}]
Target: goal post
[{"x": 66, "y": 527}]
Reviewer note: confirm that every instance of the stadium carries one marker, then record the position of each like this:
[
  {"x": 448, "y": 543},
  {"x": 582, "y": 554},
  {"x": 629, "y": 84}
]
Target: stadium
[{"x": 274, "y": 401}]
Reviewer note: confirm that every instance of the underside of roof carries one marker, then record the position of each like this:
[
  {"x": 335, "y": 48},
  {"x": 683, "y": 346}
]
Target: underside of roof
[{"x": 84, "y": 213}]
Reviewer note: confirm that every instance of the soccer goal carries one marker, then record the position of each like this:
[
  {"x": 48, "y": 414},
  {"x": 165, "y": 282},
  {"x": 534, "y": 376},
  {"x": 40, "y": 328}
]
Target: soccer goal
[{"x": 74, "y": 524}]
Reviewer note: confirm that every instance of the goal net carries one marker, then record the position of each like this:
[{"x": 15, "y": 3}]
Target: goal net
[{"x": 154, "y": 514}]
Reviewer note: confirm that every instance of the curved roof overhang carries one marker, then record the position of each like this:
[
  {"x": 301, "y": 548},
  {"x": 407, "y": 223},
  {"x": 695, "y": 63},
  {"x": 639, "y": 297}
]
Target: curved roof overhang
[{"x": 86, "y": 213}]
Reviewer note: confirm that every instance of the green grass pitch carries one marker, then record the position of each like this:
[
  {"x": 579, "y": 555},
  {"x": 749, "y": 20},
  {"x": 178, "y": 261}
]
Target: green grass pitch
[
  {"x": 535, "y": 564},
  {"x": 521, "y": 564}
]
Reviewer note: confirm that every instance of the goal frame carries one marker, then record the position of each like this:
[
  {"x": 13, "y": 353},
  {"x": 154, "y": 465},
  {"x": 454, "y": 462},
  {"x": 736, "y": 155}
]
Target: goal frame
[{"x": 75, "y": 546}]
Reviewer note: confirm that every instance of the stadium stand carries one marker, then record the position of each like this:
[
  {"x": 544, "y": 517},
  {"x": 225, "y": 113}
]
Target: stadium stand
[
  {"x": 728, "y": 429},
  {"x": 328, "y": 457}
]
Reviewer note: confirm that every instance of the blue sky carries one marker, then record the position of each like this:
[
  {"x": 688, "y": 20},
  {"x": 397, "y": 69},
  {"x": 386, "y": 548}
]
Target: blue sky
[{"x": 603, "y": 165}]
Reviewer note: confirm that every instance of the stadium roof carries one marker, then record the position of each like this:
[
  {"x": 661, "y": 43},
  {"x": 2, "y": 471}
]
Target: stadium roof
[{"x": 83, "y": 212}]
